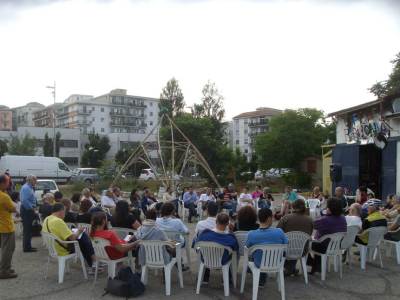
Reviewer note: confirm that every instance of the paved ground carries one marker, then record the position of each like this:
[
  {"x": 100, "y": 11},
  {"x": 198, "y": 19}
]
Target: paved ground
[{"x": 372, "y": 284}]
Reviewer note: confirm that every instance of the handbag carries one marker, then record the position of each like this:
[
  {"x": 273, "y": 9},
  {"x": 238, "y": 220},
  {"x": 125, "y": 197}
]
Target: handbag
[{"x": 126, "y": 284}]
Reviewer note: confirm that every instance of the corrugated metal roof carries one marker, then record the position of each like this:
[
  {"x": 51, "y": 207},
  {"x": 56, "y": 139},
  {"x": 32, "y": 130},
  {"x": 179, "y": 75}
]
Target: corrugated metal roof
[{"x": 265, "y": 111}]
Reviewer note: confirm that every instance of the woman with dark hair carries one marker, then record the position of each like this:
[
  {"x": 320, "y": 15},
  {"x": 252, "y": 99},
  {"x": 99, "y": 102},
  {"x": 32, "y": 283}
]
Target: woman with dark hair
[
  {"x": 76, "y": 198},
  {"x": 70, "y": 217},
  {"x": 118, "y": 248},
  {"x": 123, "y": 218},
  {"x": 333, "y": 222},
  {"x": 84, "y": 215},
  {"x": 135, "y": 199},
  {"x": 246, "y": 219}
]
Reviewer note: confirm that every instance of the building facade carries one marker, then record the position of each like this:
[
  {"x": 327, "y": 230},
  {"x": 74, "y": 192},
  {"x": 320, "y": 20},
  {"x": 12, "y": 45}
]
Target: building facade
[
  {"x": 6, "y": 118},
  {"x": 23, "y": 115},
  {"x": 245, "y": 127},
  {"x": 367, "y": 152},
  {"x": 45, "y": 117},
  {"x": 70, "y": 141}
]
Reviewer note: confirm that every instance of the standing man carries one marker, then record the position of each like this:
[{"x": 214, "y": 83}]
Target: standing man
[
  {"x": 189, "y": 201},
  {"x": 28, "y": 204},
  {"x": 7, "y": 231}
]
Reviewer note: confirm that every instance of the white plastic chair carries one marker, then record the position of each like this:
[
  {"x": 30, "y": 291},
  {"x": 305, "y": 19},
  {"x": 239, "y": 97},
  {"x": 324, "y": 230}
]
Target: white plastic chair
[
  {"x": 375, "y": 237},
  {"x": 210, "y": 256},
  {"x": 50, "y": 241},
  {"x": 272, "y": 261},
  {"x": 154, "y": 259},
  {"x": 241, "y": 237},
  {"x": 333, "y": 250},
  {"x": 389, "y": 243},
  {"x": 348, "y": 241},
  {"x": 176, "y": 236},
  {"x": 314, "y": 207},
  {"x": 99, "y": 245},
  {"x": 296, "y": 249}
]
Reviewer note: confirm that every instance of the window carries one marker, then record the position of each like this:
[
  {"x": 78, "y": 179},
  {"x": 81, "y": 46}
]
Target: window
[
  {"x": 69, "y": 143},
  {"x": 151, "y": 123},
  {"x": 246, "y": 121},
  {"x": 246, "y": 131},
  {"x": 151, "y": 114},
  {"x": 102, "y": 109},
  {"x": 151, "y": 103},
  {"x": 246, "y": 141},
  {"x": 246, "y": 150},
  {"x": 237, "y": 142},
  {"x": 93, "y": 108},
  {"x": 237, "y": 131},
  {"x": 102, "y": 130},
  {"x": 311, "y": 166},
  {"x": 102, "y": 119},
  {"x": 63, "y": 167},
  {"x": 93, "y": 119}
]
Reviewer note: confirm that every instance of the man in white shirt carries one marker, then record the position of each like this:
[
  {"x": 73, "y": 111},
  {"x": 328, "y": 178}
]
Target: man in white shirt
[
  {"x": 212, "y": 210},
  {"x": 245, "y": 198},
  {"x": 204, "y": 199},
  {"x": 354, "y": 219},
  {"x": 107, "y": 200}
]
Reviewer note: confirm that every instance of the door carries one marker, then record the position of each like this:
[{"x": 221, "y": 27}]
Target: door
[
  {"x": 347, "y": 156},
  {"x": 389, "y": 162}
]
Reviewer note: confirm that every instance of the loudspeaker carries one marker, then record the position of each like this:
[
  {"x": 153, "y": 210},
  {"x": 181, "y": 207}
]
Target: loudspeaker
[{"x": 336, "y": 172}]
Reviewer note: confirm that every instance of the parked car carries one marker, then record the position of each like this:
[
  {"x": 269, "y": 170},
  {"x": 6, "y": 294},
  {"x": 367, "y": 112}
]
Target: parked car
[
  {"x": 44, "y": 185},
  {"x": 87, "y": 175},
  {"x": 147, "y": 174}
]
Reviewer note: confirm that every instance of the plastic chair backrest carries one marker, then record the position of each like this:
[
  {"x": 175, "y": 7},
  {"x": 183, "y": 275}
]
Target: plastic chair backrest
[
  {"x": 50, "y": 242},
  {"x": 375, "y": 235},
  {"x": 241, "y": 237},
  {"x": 350, "y": 236},
  {"x": 297, "y": 242},
  {"x": 334, "y": 243},
  {"x": 211, "y": 253},
  {"x": 99, "y": 245},
  {"x": 154, "y": 254},
  {"x": 313, "y": 203},
  {"x": 272, "y": 256}
]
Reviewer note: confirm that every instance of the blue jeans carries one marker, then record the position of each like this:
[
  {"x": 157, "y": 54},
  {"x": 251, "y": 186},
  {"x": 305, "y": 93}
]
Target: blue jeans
[{"x": 27, "y": 215}]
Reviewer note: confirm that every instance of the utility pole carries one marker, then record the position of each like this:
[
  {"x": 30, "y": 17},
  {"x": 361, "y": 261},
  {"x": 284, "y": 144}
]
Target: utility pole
[{"x": 53, "y": 88}]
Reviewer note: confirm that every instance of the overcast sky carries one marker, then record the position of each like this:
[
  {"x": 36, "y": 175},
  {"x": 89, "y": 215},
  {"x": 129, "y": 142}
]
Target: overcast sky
[{"x": 280, "y": 54}]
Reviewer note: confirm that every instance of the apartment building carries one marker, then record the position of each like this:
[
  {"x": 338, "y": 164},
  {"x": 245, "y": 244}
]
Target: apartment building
[
  {"x": 23, "y": 115},
  {"x": 245, "y": 127},
  {"x": 45, "y": 117},
  {"x": 6, "y": 115}
]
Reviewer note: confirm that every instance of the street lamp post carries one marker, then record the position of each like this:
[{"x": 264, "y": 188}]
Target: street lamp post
[{"x": 53, "y": 88}]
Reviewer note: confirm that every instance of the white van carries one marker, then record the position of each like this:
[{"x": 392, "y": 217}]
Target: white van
[{"x": 40, "y": 166}]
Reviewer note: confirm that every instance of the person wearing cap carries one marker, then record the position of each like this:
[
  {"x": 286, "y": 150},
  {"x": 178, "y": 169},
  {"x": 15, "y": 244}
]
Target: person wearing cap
[
  {"x": 374, "y": 219},
  {"x": 7, "y": 230}
]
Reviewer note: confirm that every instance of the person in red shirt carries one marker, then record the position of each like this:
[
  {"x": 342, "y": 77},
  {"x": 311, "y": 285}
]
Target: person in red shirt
[{"x": 118, "y": 248}]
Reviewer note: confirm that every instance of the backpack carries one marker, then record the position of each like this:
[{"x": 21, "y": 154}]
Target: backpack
[{"x": 125, "y": 284}]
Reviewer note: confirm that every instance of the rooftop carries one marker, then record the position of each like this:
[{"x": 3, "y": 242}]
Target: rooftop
[{"x": 259, "y": 112}]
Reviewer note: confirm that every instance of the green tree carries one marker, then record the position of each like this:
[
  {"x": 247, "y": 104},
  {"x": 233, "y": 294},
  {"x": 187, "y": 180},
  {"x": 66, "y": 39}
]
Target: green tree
[
  {"x": 48, "y": 145},
  {"x": 211, "y": 103},
  {"x": 293, "y": 136},
  {"x": 390, "y": 86},
  {"x": 171, "y": 99},
  {"x": 95, "y": 151},
  {"x": 3, "y": 148},
  {"x": 24, "y": 146}
]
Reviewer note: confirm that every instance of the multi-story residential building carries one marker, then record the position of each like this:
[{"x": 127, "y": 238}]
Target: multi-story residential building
[
  {"x": 6, "y": 115},
  {"x": 246, "y": 126},
  {"x": 45, "y": 117},
  {"x": 70, "y": 141},
  {"x": 23, "y": 115},
  {"x": 125, "y": 119}
]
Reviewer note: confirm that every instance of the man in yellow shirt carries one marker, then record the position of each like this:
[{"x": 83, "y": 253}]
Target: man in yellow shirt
[
  {"x": 55, "y": 225},
  {"x": 7, "y": 231}
]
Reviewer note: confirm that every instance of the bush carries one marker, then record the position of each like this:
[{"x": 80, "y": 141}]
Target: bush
[{"x": 297, "y": 179}]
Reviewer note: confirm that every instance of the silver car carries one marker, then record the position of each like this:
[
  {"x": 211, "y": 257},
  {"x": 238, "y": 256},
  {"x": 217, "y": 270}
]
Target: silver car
[{"x": 87, "y": 175}]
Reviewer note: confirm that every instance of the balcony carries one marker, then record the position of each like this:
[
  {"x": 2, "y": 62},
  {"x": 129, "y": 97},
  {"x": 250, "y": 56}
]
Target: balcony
[
  {"x": 126, "y": 124},
  {"x": 258, "y": 124},
  {"x": 113, "y": 113}
]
